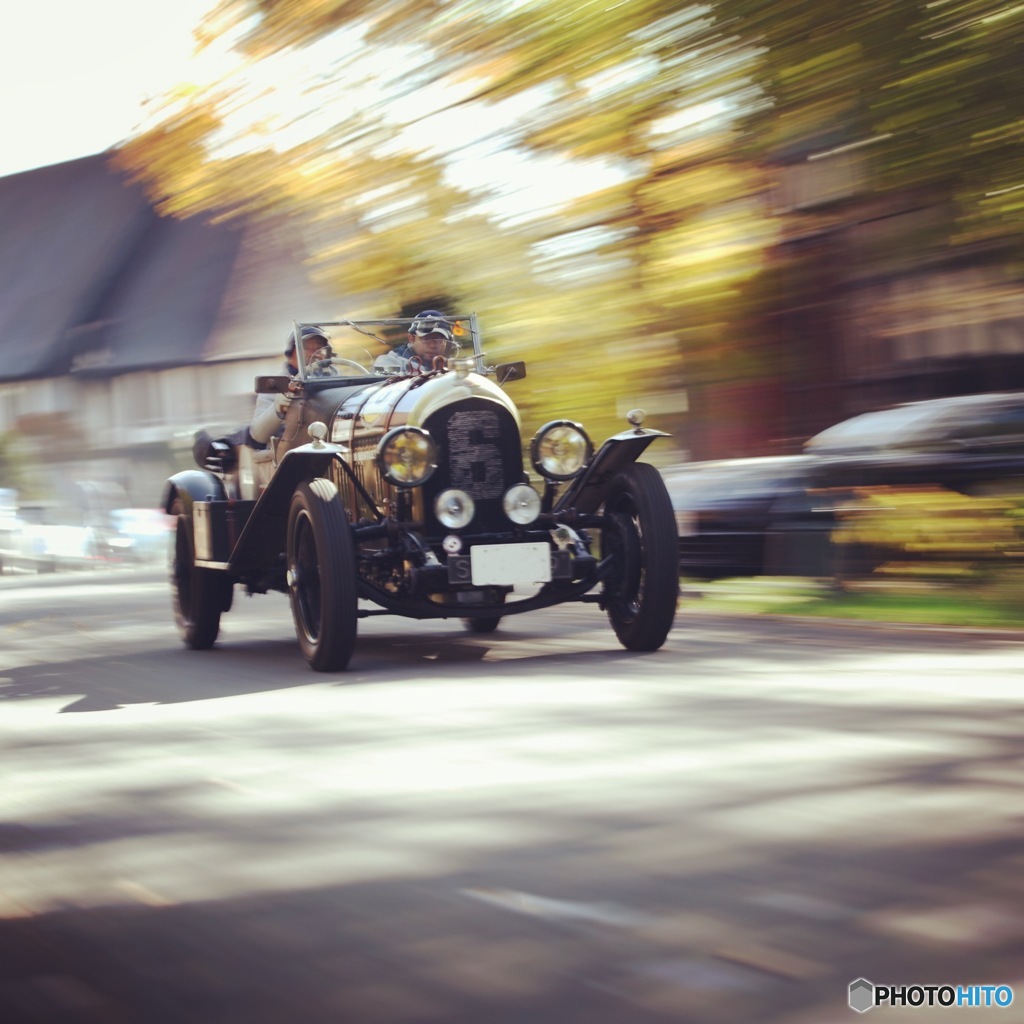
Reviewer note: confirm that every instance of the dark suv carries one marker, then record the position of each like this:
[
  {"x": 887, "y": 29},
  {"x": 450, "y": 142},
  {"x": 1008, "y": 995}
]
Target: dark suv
[{"x": 775, "y": 515}]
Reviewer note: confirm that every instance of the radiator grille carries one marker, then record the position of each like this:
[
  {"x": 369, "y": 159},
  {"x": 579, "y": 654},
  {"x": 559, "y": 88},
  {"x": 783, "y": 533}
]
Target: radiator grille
[{"x": 479, "y": 452}]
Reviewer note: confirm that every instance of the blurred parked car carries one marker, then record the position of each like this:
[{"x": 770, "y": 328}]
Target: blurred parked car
[
  {"x": 746, "y": 517},
  {"x": 962, "y": 443},
  {"x": 776, "y": 515},
  {"x": 34, "y": 539},
  {"x": 139, "y": 535}
]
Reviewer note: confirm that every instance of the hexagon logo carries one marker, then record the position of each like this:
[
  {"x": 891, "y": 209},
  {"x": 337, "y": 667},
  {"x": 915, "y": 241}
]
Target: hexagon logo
[{"x": 862, "y": 995}]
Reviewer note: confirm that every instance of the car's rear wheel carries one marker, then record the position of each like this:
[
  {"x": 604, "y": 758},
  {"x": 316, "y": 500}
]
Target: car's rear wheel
[
  {"x": 198, "y": 595},
  {"x": 643, "y": 590},
  {"x": 483, "y": 625},
  {"x": 322, "y": 575}
]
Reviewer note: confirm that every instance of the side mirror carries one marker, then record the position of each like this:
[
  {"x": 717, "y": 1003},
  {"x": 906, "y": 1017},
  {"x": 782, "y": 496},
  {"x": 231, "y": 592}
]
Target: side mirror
[
  {"x": 277, "y": 385},
  {"x": 504, "y": 372}
]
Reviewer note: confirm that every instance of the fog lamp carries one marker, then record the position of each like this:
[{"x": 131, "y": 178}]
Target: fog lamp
[
  {"x": 454, "y": 508},
  {"x": 521, "y": 504}
]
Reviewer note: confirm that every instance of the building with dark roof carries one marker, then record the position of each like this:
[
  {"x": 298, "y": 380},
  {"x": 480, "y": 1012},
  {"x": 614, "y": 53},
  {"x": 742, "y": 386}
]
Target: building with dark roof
[{"x": 122, "y": 331}]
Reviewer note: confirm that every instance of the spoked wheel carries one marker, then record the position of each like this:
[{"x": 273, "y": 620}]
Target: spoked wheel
[
  {"x": 198, "y": 595},
  {"x": 322, "y": 575},
  {"x": 643, "y": 590}
]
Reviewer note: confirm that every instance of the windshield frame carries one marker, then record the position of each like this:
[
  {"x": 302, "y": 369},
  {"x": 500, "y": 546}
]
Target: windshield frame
[{"x": 468, "y": 324}]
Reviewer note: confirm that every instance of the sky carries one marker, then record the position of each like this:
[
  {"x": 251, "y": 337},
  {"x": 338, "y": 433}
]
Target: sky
[{"x": 74, "y": 74}]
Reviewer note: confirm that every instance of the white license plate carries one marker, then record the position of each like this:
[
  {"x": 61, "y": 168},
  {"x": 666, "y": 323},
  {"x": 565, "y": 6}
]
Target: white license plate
[{"x": 506, "y": 564}]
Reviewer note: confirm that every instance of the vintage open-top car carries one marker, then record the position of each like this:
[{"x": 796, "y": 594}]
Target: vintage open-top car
[{"x": 406, "y": 491}]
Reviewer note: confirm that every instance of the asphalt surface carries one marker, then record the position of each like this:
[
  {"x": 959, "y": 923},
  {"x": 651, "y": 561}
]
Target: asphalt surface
[{"x": 529, "y": 827}]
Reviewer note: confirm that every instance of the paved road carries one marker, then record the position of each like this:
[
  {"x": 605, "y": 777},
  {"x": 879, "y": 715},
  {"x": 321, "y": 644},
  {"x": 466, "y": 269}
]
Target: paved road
[{"x": 528, "y": 827}]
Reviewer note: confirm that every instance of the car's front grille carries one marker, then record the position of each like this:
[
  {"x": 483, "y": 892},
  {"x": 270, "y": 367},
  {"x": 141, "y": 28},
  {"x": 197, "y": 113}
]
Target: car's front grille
[{"x": 479, "y": 451}]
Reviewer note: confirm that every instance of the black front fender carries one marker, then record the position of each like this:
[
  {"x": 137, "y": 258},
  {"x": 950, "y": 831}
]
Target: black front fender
[
  {"x": 263, "y": 535},
  {"x": 587, "y": 491}
]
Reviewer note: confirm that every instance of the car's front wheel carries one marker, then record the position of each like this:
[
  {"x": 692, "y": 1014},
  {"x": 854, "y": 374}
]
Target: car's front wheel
[
  {"x": 199, "y": 595},
  {"x": 643, "y": 590},
  {"x": 322, "y": 575}
]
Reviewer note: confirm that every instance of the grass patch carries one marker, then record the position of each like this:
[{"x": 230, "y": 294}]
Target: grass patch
[{"x": 996, "y": 604}]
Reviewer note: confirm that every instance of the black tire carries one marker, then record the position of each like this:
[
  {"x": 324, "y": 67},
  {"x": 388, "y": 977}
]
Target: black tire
[
  {"x": 198, "y": 595},
  {"x": 642, "y": 593},
  {"x": 322, "y": 576},
  {"x": 485, "y": 625}
]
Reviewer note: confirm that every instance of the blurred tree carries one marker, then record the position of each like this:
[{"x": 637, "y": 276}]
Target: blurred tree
[
  {"x": 820, "y": 64},
  {"x": 954, "y": 111},
  {"x": 644, "y": 89},
  {"x": 655, "y": 90},
  {"x": 353, "y": 118},
  {"x": 929, "y": 87},
  {"x": 895, "y": 128}
]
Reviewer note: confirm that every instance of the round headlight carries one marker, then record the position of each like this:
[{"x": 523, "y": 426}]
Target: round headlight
[
  {"x": 521, "y": 504},
  {"x": 560, "y": 450},
  {"x": 454, "y": 508},
  {"x": 406, "y": 456}
]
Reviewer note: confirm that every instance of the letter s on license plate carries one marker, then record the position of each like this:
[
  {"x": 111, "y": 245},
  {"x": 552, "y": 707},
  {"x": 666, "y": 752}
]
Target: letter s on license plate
[{"x": 506, "y": 564}]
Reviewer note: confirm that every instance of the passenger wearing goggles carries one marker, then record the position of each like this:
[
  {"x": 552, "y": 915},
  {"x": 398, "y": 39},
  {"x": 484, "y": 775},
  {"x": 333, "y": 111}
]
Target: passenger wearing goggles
[{"x": 431, "y": 342}]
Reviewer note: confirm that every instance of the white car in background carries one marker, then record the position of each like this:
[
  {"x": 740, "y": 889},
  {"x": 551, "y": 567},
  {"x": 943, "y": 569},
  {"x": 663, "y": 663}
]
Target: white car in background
[
  {"x": 32, "y": 539},
  {"x": 140, "y": 535}
]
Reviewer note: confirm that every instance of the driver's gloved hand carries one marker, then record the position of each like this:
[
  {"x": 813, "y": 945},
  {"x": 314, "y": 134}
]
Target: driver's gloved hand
[
  {"x": 214, "y": 454},
  {"x": 282, "y": 401},
  {"x": 202, "y": 446},
  {"x": 221, "y": 456}
]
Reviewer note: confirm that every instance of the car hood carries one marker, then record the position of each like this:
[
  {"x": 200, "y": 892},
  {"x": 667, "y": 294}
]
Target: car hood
[{"x": 410, "y": 401}]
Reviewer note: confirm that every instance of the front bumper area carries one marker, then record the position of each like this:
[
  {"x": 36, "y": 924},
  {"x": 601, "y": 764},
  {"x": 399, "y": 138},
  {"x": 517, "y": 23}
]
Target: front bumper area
[{"x": 441, "y": 590}]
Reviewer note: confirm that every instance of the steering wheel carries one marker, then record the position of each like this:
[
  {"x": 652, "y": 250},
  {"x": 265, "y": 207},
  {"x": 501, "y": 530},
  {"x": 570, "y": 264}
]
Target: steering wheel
[{"x": 328, "y": 367}]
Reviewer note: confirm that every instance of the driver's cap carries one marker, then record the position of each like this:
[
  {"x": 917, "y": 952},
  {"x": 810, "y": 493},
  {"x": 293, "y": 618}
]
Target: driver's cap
[
  {"x": 306, "y": 332},
  {"x": 430, "y": 321}
]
